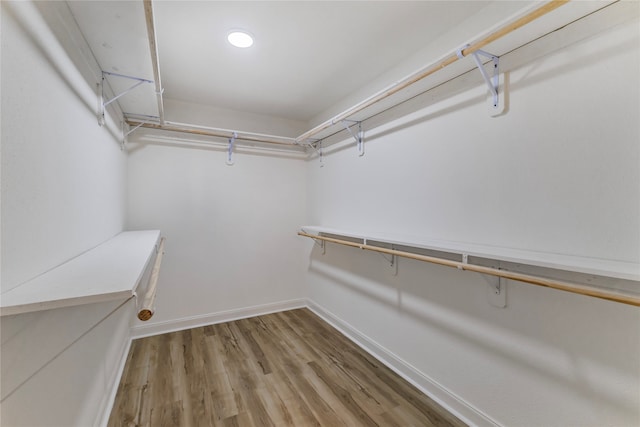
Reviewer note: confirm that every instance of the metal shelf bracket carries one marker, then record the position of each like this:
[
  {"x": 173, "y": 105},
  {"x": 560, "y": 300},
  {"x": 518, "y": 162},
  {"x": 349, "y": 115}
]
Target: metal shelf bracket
[
  {"x": 393, "y": 262},
  {"x": 316, "y": 144},
  {"x": 320, "y": 243},
  {"x": 232, "y": 141},
  {"x": 493, "y": 82},
  {"x": 359, "y": 136},
  {"x": 102, "y": 103},
  {"x": 497, "y": 291}
]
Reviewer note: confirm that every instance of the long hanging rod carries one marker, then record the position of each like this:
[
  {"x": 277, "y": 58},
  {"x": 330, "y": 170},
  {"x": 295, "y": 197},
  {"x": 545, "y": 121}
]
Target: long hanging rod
[
  {"x": 450, "y": 59},
  {"x": 624, "y": 298},
  {"x": 385, "y": 93},
  {"x": 153, "y": 46},
  {"x": 217, "y": 132}
]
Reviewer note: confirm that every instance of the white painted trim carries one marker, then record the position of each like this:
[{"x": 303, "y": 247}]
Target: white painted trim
[
  {"x": 213, "y": 318},
  {"x": 428, "y": 386},
  {"x": 107, "y": 404}
]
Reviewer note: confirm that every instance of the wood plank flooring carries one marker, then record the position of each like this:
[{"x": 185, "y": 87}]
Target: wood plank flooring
[{"x": 283, "y": 369}]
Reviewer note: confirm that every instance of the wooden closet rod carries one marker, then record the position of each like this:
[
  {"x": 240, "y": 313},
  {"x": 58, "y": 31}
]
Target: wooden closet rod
[
  {"x": 450, "y": 59},
  {"x": 611, "y": 295},
  {"x": 153, "y": 46},
  {"x": 148, "y": 304},
  {"x": 222, "y": 133}
]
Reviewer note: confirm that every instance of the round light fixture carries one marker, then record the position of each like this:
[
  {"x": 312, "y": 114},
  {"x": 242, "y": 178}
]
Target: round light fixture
[{"x": 240, "y": 38}]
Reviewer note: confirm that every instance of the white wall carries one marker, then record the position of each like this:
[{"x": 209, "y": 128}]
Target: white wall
[
  {"x": 559, "y": 173},
  {"x": 231, "y": 231},
  {"x": 205, "y": 115},
  {"x": 63, "y": 192}
]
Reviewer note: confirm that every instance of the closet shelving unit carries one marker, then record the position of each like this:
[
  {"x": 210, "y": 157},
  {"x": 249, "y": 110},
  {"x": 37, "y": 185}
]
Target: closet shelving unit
[
  {"x": 109, "y": 272},
  {"x": 394, "y": 95},
  {"x": 397, "y": 93},
  {"x": 462, "y": 256}
]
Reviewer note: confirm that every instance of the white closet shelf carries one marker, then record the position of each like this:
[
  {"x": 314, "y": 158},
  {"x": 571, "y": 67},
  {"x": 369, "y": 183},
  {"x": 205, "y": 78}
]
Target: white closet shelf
[
  {"x": 108, "y": 272},
  {"x": 587, "y": 265}
]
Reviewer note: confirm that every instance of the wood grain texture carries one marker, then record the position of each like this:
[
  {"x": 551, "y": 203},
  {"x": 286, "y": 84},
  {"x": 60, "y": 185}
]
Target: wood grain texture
[{"x": 283, "y": 369}]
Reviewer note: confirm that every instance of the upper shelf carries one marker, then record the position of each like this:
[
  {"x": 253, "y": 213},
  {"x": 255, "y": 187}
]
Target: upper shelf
[
  {"x": 587, "y": 265},
  {"x": 110, "y": 271},
  {"x": 577, "y": 20}
]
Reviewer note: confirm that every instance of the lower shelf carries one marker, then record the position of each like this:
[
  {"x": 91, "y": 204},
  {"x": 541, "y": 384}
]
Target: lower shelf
[
  {"x": 110, "y": 271},
  {"x": 466, "y": 253}
]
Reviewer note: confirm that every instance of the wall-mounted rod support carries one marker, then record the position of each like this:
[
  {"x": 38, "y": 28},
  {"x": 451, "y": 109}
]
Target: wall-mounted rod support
[
  {"x": 135, "y": 128},
  {"x": 232, "y": 141},
  {"x": 610, "y": 295},
  {"x": 320, "y": 243},
  {"x": 125, "y": 134},
  {"x": 102, "y": 104},
  {"x": 359, "y": 136},
  {"x": 492, "y": 82},
  {"x": 123, "y": 93},
  {"x": 148, "y": 304},
  {"x": 316, "y": 145},
  {"x": 124, "y": 76},
  {"x": 425, "y": 72}
]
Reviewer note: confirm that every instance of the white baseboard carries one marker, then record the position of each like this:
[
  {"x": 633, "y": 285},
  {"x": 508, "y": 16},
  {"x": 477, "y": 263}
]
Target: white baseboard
[
  {"x": 213, "y": 318},
  {"x": 428, "y": 386},
  {"x": 114, "y": 384}
]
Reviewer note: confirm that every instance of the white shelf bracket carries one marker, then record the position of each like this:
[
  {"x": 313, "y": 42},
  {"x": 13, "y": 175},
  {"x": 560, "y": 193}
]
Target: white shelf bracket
[
  {"x": 139, "y": 125},
  {"x": 496, "y": 286},
  {"x": 465, "y": 260},
  {"x": 319, "y": 242},
  {"x": 125, "y": 134},
  {"x": 359, "y": 136},
  {"x": 102, "y": 104},
  {"x": 497, "y": 291},
  {"x": 393, "y": 262},
  {"x": 493, "y": 82},
  {"x": 322, "y": 244},
  {"x": 316, "y": 144},
  {"x": 232, "y": 141}
]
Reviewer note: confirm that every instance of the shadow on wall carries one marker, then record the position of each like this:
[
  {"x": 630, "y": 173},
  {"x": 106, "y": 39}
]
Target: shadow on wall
[
  {"x": 42, "y": 38},
  {"x": 453, "y": 303}
]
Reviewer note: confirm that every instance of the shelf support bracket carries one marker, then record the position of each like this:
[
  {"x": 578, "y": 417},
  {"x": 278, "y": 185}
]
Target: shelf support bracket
[
  {"x": 139, "y": 125},
  {"x": 232, "y": 141},
  {"x": 320, "y": 243},
  {"x": 316, "y": 144},
  {"x": 125, "y": 134},
  {"x": 393, "y": 262},
  {"x": 102, "y": 103},
  {"x": 497, "y": 291},
  {"x": 492, "y": 82},
  {"x": 359, "y": 136},
  {"x": 496, "y": 286}
]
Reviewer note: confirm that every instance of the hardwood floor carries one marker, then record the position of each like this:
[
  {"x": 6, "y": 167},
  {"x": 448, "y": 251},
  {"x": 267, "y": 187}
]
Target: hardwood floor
[{"x": 282, "y": 369}]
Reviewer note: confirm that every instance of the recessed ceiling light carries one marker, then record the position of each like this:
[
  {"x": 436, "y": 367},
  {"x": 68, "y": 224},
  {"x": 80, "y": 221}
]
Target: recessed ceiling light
[{"x": 240, "y": 38}]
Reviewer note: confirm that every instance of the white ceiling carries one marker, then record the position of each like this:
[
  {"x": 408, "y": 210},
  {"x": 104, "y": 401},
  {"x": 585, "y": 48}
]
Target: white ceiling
[{"x": 307, "y": 56}]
